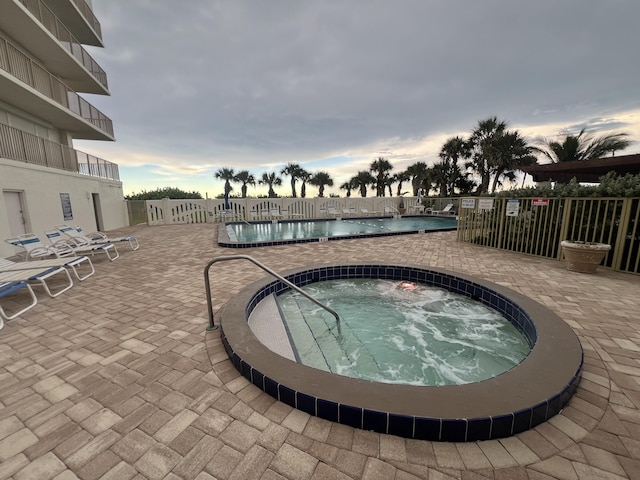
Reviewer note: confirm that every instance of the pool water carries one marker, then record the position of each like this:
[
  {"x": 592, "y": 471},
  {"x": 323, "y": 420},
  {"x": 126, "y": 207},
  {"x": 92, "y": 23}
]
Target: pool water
[
  {"x": 289, "y": 230},
  {"x": 394, "y": 332}
]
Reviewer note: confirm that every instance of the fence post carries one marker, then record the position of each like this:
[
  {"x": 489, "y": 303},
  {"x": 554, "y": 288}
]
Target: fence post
[
  {"x": 503, "y": 215},
  {"x": 564, "y": 226},
  {"x": 618, "y": 247},
  {"x": 166, "y": 210}
]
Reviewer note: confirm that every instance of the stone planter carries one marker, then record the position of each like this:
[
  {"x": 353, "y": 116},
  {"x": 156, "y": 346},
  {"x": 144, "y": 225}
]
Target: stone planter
[{"x": 583, "y": 257}]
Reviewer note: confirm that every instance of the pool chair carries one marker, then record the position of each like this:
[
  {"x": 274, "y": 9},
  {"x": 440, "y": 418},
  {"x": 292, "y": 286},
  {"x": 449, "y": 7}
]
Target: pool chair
[
  {"x": 332, "y": 210},
  {"x": 289, "y": 214},
  {"x": 97, "y": 238},
  {"x": 73, "y": 263},
  {"x": 39, "y": 276},
  {"x": 223, "y": 215},
  {"x": 389, "y": 210},
  {"x": 34, "y": 247},
  {"x": 265, "y": 214},
  {"x": 79, "y": 247},
  {"x": 6, "y": 289},
  {"x": 275, "y": 213},
  {"x": 445, "y": 211}
]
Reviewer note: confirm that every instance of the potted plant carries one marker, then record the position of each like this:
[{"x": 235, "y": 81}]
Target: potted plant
[{"x": 583, "y": 257}]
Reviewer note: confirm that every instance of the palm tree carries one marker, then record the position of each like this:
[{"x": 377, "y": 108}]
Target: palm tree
[
  {"x": 348, "y": 186},
  {"x": 510, "y": 152},
  {"x": 321, "y": 180},
  {"x": 380, "y": 168},
  {"x": 417, "y": 172},
  {"x": 271, "y": 179},
  {"x": 246, "y": 178},
  {"x": 581, "y": 147},
  {"x": 448, "y": 170},
  {"x": 401, "y": 178},
  {"x": 362, "y": 180},
  {"x": 292, "y": 170},
  {"x": 480, "y": 145},
  {"x": 304, "y": 177},
  {"x": 228, "y": 176}
]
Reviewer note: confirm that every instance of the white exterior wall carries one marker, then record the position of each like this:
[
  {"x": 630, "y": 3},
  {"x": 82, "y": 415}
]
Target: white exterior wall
[{"x": 41, "y": 188}]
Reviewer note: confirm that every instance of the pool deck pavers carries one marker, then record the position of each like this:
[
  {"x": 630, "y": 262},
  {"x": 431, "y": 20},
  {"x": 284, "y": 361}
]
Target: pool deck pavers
[{"x": 118, "y": 378}]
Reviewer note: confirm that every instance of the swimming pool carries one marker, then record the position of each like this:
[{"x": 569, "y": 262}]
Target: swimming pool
[
  {"x": 257, "y": 234},
  {"x": 528, "y": 394}
]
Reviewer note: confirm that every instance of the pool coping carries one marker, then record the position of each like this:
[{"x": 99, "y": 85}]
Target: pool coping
[
  {"x": 225, "y": 241},
  {"x": 515, "y": 401}
]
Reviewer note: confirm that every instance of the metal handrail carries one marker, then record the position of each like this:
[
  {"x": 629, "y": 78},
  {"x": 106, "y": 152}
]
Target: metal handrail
[{"x": 207, "y": 284}]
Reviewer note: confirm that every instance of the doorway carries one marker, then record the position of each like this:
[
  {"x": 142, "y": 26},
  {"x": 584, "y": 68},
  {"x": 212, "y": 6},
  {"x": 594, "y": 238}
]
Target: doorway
[
  {"x": 97, "y": 211},
  {"x": 14, "y": 203}
]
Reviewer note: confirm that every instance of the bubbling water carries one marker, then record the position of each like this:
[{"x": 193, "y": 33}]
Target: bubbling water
[{"x": 399, "y": 332}]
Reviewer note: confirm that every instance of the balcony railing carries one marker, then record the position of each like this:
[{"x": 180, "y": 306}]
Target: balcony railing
[
  {"x": 28, "y": 148},
  {"x": 49, "y": 20},
  {"x": 36, "y": 76},
  {"x": 88, "y": 14}
]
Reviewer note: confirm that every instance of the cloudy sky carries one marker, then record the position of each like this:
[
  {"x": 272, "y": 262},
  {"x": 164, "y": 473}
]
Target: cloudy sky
[{"x": 197, "y": 85}]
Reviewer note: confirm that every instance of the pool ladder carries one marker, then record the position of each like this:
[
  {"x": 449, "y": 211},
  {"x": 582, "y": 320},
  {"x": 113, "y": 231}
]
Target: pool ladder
[{"x": 207, "y": 284}]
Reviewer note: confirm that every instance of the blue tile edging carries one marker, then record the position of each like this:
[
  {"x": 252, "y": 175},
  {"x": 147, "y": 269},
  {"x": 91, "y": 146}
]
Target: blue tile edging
[{"x": 525, "y": 396}]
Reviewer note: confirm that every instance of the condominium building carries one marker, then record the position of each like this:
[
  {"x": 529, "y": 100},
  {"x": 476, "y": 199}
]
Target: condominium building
[{"x": 44, "y": 70}]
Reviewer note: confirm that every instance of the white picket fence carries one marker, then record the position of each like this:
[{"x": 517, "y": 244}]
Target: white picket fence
[{"x": 168, "y": 212}]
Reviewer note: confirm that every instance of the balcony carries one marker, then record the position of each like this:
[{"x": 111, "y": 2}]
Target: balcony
[
  {"x": 28, "y": 148},
  {"x": 78, "y": 16},
  {"x": 33, "y": 25},
  {"x": 27, "y": 85}
]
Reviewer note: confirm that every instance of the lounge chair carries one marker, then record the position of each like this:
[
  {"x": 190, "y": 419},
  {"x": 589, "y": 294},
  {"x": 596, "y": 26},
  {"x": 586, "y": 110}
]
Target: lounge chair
[
  {"x": 73, "y": 263},
  {"x": 34, "y": 247},
  {"x": 332, "y": 210},
  {"x": 275, "y": 213},
  {"x": 289, "y": 214},
  {"x": 445, "y": 211},
  {"x": 265, "y": 214},
  {"x": 39, "y": 275},
  {"x": 223, "y": 215},
  {"x": 81, "y": 248},
  {"x": 6, "y": 289},
  {"x": 97, "y": 238},
  {"x": 388, "y": 210}
]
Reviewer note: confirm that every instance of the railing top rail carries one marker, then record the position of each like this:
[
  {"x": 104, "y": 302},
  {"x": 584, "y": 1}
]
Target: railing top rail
[{"x": 213, "y": 326}]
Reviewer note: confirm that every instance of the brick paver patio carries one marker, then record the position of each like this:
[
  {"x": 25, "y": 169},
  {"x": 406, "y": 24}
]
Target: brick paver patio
[{"x": 118, "y": 379}]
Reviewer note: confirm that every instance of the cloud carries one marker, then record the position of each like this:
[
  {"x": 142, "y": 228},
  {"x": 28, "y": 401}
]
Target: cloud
[{"x": 255, "y": 85}]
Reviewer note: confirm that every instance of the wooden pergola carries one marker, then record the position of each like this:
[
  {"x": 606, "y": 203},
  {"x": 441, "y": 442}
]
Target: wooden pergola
[{"x": 585, "y": 171}]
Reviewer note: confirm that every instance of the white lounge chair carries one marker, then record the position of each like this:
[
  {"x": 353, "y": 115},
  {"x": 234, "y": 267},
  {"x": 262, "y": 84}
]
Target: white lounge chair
[
  {"x": 39, "y": 275},
  {"x": 445, "y": 211},
  {"x": 223, "y": 216},
  {"x": 97, "y": 238},
  {"x": 34, "y": 248},
  {"x": 332, "y": 210},
  {"x": 6, "y": 289},
  {"x": 275, "y": 213},
  {"x": 73, "y": 263},
  {"x": 79, "y": 247},
  {"x": 389, "y": 210},
  {"x": 265, "y": 214}
]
